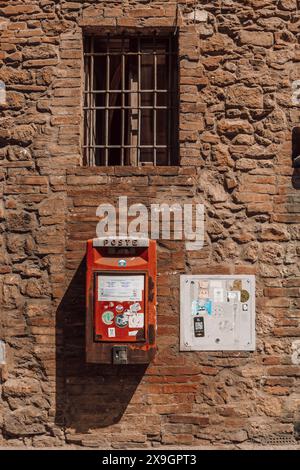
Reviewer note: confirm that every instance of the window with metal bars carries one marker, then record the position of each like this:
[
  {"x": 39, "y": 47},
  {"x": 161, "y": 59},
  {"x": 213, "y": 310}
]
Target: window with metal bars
[{"x": 130, "y": 100}]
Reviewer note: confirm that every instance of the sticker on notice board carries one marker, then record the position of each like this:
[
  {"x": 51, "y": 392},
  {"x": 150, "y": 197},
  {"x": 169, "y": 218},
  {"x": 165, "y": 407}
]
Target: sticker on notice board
[
  {"x": 201, "y": 306},
  {"x": 120, "y": 288},
  {"x": 244, "y": 295},
  {"x": 233, "y": 296},
  {"x": 218, "y": 294},
  {"x": 203, "y": 293},
  {"x": 208, "y": 306},
  {"x": 199, "y": 327}
]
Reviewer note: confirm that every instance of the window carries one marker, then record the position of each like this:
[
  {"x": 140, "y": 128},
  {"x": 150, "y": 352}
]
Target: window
[{"x": 130, "y": 103}]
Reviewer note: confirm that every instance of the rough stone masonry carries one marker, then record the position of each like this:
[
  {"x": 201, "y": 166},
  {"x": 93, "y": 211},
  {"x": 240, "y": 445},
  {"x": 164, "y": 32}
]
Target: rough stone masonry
[{"x": 238, "y": 65}]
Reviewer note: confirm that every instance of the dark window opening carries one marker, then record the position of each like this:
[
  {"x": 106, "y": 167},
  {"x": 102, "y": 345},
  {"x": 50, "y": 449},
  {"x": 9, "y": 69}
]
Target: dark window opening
[{"x": 130, "y": 100}]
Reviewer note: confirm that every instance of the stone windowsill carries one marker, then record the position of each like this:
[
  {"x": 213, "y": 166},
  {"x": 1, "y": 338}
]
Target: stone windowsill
[{"x": 131, "y": 170}]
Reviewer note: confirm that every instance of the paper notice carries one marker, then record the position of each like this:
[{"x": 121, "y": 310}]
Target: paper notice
[
  {"x": 218, "y": 294},
  {"x": 120, "y": 288}
]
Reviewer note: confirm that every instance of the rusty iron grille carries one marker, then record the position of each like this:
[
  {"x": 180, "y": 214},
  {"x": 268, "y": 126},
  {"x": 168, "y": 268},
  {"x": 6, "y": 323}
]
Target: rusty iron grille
[{"x": 130, "y": 100}]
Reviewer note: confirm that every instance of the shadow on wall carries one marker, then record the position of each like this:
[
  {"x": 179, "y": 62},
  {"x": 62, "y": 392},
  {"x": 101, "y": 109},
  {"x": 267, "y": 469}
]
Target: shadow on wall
[
  {"x": 296, "y": 178},
  {"x": 296, "y": 157},
  {"x": 87, "y": 395}
]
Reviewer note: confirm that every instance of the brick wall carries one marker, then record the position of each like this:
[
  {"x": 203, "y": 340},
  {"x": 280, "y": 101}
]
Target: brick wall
[{"x": 238, "y": 62}]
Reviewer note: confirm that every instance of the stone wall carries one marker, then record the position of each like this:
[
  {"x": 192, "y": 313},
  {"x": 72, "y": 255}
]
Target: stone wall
[{"x": 238, "y": 63}]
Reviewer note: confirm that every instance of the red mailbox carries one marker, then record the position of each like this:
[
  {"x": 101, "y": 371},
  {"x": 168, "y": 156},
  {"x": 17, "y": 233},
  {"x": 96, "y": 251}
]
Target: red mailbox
[{"x": 121, "y": 300}]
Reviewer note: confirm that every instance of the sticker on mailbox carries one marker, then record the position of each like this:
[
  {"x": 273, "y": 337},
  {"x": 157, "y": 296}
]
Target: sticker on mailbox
[
  {"x": 133, "y": 333},
  {"x": 111, "y": 332},
  {"x": 108, "y": 317},
  {"x": 136, "y": 320},
  {"x": 134, "y": 308},
  {"x": 121, "y": 320}
]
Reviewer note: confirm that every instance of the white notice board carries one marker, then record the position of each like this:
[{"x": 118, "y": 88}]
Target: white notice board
[{"x": 217, "y": 313}]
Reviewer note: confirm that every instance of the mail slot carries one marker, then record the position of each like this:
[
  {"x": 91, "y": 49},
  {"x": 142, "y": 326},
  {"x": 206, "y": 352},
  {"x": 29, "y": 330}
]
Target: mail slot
[{"x": 121, "y": 300}]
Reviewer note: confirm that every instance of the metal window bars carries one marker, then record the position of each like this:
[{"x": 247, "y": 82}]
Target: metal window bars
[{"x": 130, "y": 100}]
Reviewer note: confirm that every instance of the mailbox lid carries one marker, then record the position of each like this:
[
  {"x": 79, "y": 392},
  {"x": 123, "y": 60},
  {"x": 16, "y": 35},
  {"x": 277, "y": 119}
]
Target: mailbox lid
[{"x": 118, "y": 258}]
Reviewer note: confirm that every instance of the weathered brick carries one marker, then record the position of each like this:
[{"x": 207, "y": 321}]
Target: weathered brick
[
  {"x": 15, "y": 10},
  {"x": 240, "y": 95},
  {"x": 256, "y": 38}
]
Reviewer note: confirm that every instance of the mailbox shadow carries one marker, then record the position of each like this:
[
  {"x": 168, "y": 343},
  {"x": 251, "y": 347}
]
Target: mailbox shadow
[
  {"x": 87, "y": 395},
  {"x": 296, "y": 178}
]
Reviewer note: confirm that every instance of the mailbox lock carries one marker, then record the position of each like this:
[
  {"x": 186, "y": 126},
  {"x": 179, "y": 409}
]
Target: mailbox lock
[{"x": 119, "y": 355}]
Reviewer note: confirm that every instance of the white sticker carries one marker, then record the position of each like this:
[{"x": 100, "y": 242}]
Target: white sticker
[
  {"x": 135, "y": 307},
  {"x": 111, "y": 332},
  {"x": 120, "y": 288},
  {"x": 245, "y": 307},
  {"x": 218, "y": 294},
  {"x": 136, "y": 320},
  {"x": 133, "y": 333},
  {"x": 233, "y": 296}
]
